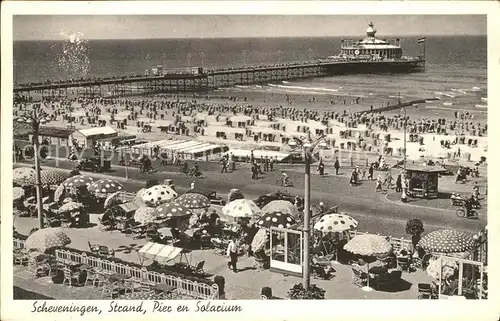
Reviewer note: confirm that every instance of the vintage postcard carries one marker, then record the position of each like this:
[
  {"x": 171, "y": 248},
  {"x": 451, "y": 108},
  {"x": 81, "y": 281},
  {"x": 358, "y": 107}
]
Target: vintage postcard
[{"x": 223, "y": 159}]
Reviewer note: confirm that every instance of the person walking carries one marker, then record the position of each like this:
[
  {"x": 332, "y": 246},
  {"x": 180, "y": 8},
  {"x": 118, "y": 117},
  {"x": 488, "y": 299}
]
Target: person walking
[
  {"x": 388, "y": 180},
  {"x": 232, "y": 253},
  {"x": 192, "y": 185},
  {"x": 224, "y": 165},
  {"x": 378, "y": 184},
  {"x": 232, "y": 162},
  {"x": 266, "y": 164},
  {"x": 321, "y": 167},
  {"x": 336, "y": 166},
  {"x": 271, "y": 164},
  {"x": 370, "y": 172},
  {"x": 399, "y": 184}
]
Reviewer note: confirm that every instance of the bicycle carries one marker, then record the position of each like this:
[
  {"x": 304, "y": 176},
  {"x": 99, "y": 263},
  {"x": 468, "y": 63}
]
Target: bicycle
[
  {"x": 462, "y": 212},
  {"x": 285, "y": 183}
]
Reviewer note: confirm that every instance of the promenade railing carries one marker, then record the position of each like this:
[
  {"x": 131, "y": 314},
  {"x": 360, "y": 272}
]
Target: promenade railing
[{"x": 186, "y": 287}]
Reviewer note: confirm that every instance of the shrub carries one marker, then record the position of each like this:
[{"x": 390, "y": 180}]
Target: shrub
[
  {"x": 298, "y": 292},
  {"x": 414, "y": 227}
]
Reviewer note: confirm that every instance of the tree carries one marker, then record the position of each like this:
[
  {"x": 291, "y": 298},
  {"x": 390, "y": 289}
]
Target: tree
[{"x": 415, "y": 228}]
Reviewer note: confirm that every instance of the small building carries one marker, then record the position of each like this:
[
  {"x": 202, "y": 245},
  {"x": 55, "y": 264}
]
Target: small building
[
  {"x": 54, "y": 135},
  {"x": 87, "y": 137},
  {"x": 423, "y": 180}
]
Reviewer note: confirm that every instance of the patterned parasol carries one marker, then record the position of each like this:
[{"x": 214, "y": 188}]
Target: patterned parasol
[
  {"x": 171, "y": 210},
  {"x": 241, "y": 208},
  {"x": 47, "y": 238},
  {"x": 369, "y": 245},
  {"x": 59, "y": 193},
  {"x": 70, "y": 207},
  {"x": 77, "y": 181},
  {"x": 276, "y": 219},
  {"x": 114, "y": 199},
  {"x": 24, "y": 176},
  {"x": 17, "y": 193},
  {"x": 158, "y": 194},
  {"x": 194, "y": 201},
  {"x": 105, "y": 186},
  {"x": 260, "y": 240},
  {"x": 447, "y": 265},
  {"x": 280, "y": 206},
  {"x": 336, "y": 223},
  {"x": 52, "y": 176},
  {"x": 447, "y": 241},
  {"x": 145, "y": 215}
]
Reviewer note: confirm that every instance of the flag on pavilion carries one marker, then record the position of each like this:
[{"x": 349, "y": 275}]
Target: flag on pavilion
[{"x": 420, "y": 40}]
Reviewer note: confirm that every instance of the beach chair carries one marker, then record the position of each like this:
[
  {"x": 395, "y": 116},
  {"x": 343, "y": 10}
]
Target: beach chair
[
  {"x": 424, "y": 291},
  {"x": 320, "y": 273},
  {"x": 205, "y": 242},
  {"x": 403, "y": 263},
  {"x": 69, "y": 276},
  {"x": 198, "y": 268},
  {"x": 359, "y": 278},
  {"x": 106, "y": 251}
]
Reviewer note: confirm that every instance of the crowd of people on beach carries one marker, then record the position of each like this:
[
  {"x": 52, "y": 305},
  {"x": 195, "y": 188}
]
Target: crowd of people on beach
[{"x": 183, "y": 113}]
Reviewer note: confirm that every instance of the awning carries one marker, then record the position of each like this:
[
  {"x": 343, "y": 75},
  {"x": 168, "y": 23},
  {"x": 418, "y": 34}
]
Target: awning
[{"x": 159, "y": 252}]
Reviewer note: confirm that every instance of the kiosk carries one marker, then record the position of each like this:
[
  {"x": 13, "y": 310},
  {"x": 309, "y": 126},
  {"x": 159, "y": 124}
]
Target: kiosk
[
  {"x": 286, "y": 251},
  {"x": 423, "y": 180}
]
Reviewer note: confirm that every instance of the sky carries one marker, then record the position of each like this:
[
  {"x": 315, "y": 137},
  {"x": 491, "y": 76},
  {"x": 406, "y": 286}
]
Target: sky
[{"x": 52, "y": 27}]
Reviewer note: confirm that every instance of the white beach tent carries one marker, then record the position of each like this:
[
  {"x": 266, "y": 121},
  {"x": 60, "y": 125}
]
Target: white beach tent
[
  {"x": 242, "y": 154},
  {"x": 160, "y": 253}
]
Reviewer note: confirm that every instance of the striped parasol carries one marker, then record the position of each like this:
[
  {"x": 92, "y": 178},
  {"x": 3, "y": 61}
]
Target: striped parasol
[
  {"x": 47, "y": 238},
  {"x": 447, "y": 241},
  {"x": 59, "y": 193},
  {"x": 260, "y": 240},
  {"x": 115, "y": 199}
]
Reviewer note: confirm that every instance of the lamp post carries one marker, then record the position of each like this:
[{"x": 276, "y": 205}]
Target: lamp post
[
  {"x": 308, "y": 149},
  {"x": 202, "y": 54},
  {"x": 35, "y": 118},
  {"x": 244, "y": 54},
  {"x": 310, "y": 51},
  {"x": 189, "y": 60}
]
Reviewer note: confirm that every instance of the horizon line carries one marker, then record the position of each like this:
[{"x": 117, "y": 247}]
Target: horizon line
[{"x": 257, "y": 37}]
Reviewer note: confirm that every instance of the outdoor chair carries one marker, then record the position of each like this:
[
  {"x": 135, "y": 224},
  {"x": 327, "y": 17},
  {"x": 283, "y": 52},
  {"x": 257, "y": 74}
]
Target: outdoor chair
[
  {"x": 416, "y": 263},
  {"x": 94, "y": 248},
  {"x": 106, "y": 251},
  {"x": 20, "y": 256},
  {"x": 152, "y": 235},
  {"x": 92, "y": 275},
  {"x": 403, "y": 263},
  {"x": 69, "y": 276},
  {"x": 205, "y": 242},
  {"x": 424, "y": 291},
  {"x": 359, "y": 278},
  {"x": 198, "y": 268},
  {"x": 383, "y": 281},
  {"x": 320, "y": 273},
  {"x": 39, "y": 267},
  {"x": 110, "y": 289}
]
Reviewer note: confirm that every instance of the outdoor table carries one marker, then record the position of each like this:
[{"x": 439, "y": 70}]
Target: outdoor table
[
  {"x": 162, "y": 288},
  {"x": 119, "y": 277},
  {"x": 323, "y": 261},
  {"x": 378, "y": 270}
]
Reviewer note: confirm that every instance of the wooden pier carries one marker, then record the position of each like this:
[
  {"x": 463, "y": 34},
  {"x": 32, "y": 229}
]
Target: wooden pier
[{"x": 211, "y": 79}]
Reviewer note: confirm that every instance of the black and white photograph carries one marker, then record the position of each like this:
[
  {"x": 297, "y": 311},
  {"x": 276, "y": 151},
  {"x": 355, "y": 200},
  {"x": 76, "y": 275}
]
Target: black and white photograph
[{"x": 214, "y": 157}]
